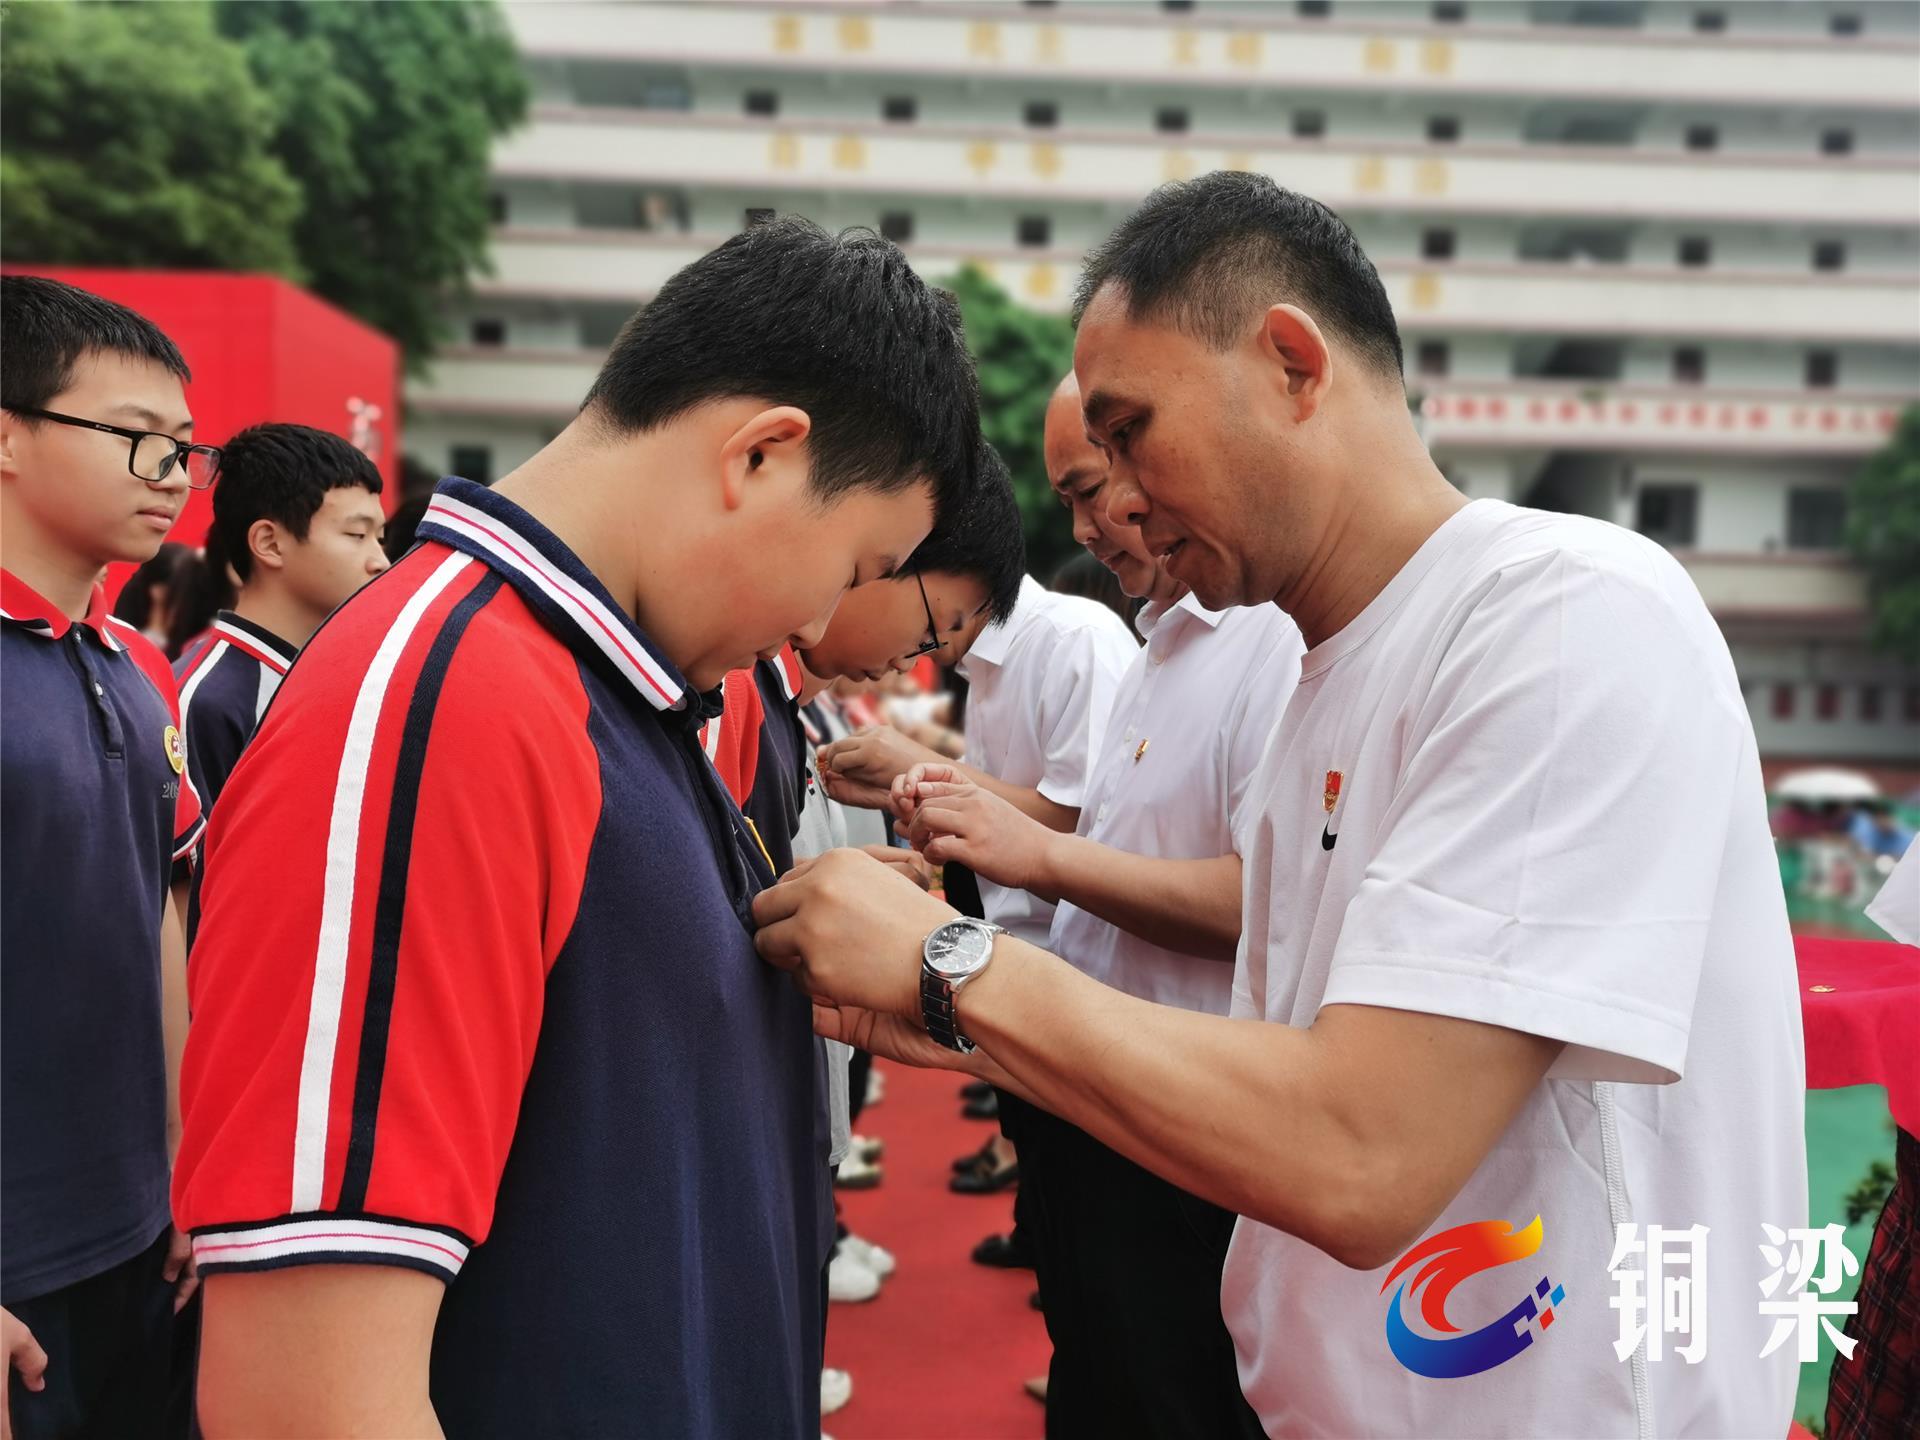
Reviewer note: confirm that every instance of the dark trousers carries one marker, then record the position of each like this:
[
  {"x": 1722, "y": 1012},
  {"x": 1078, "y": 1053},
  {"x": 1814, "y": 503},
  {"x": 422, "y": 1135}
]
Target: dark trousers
[
  {"x": 109, "y": 1343},
  {"x": 1129, "y": 1270}
]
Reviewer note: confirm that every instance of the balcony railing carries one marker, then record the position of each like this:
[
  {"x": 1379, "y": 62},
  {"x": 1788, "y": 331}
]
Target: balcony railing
[
  {"x": 1599, "y": 415},
  {"x": 688, "y": 148},
  {"x": 1514, "y": 297},
  {"x": 1239, "y": 52},
  {"x": 1753, "y": 589}
]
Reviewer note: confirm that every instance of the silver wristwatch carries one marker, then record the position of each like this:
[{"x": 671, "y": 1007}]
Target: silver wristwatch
[{"x": 952, "y": 955}]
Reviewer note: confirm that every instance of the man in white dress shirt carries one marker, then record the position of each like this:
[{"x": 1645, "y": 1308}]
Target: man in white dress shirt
[
  {"x": 1515, "y": 983},
  {"x": 1148, "y": 892}
]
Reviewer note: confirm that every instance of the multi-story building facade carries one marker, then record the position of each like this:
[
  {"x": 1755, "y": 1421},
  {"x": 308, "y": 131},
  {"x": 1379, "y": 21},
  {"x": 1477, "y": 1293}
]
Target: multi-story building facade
[{"x": 1654, "y": 262}]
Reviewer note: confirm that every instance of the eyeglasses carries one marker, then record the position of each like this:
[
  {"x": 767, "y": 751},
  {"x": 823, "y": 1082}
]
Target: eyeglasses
[
  {"x": 151, "y": 455},
  {"x": 934, "y": 642}
]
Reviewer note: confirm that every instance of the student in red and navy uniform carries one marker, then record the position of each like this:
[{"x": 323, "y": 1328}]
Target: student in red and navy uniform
[
  {"x": 494, "y": 1121},
  {"x": 99, "y": 818},
  {"x": 297, "y": 519}
]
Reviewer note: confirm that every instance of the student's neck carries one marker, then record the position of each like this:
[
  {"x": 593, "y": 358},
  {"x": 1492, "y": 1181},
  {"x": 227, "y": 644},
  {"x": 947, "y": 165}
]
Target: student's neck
[
  {"x": 277, "y": 613},
  {"x": 65, "y": 580},
  {"x": 1406, "y": 499}
]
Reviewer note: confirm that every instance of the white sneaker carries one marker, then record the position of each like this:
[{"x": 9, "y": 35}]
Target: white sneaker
[
  {"x": 836, "y": 1388},
  {"x": 849, "y": 1281},
  {"x": 880, "y": 1261},
  {"x": 876, "y": 1085},
  {"x": 856, "y": 1172},
  {"x": 866, "y": 1148}
]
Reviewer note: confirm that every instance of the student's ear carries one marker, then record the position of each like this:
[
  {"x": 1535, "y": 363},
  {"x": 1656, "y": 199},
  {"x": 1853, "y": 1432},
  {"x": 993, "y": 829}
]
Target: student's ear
[
  {"x": 1301, "y": 361},
  {"x": 771, "y": 443},
  {"x": 267, "y": 545},
  {"x": 7, "y": 434}
]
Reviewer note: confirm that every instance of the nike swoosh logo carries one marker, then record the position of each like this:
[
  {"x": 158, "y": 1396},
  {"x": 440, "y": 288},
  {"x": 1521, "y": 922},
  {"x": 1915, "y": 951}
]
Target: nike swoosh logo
[{"x": 1327, "y": 842}]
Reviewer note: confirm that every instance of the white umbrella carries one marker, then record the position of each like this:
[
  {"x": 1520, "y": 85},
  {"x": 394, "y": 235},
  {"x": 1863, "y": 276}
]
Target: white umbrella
[{"x": 1825, "y": 783}]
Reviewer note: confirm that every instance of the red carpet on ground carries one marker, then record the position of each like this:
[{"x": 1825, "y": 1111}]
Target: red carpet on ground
[{"x": 942, "y": 1352}]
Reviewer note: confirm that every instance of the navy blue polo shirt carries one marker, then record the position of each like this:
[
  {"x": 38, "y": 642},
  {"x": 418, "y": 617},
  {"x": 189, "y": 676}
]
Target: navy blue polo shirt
[
  {"x": 475, "y": 993},
  {"x": 95, "y": 808},
  {"x": 226, "y": 678}
]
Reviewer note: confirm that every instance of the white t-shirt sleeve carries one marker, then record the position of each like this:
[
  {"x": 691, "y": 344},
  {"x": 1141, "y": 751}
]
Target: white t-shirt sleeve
[
  {"x": 1550, "y": 860},
  {"x": 1083, "y": 676}
]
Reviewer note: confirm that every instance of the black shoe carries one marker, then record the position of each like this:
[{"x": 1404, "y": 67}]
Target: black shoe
[
  {"x": 975, "y": 1090},
  {"x": 1034, "y": 1301},
  {"x": 1002, "y": 1253},
  {"x": 987, "y": 1109},
  {"x": 984, "y": 1181},
  {"x": 974, "y": 1160}
]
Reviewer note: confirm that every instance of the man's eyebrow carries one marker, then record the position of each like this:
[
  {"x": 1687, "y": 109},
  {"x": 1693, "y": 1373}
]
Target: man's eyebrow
[
  {"x": 1099, "y": 405},
  {"x": 1075, "y": 475},
  {"x": 152, "y": 419}
]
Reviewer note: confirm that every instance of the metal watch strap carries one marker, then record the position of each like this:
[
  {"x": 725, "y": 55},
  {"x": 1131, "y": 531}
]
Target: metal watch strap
[{"x": 936, "y": 1009}]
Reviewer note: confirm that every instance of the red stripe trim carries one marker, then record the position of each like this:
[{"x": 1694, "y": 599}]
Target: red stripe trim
[{"x": 246, "y": 646}]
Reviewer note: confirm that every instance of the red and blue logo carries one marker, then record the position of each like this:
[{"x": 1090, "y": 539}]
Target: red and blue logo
[{"x": 1450, "y": 1257}]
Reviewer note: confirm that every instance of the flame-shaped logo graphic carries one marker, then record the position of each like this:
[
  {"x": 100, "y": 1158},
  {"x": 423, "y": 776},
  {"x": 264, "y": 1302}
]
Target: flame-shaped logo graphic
[{"x": 1450, "y": 1257}]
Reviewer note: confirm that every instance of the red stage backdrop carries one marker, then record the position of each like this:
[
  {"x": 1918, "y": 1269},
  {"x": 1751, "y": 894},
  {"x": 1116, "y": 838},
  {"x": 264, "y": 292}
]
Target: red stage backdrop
[{"x": 260, "y": 349}]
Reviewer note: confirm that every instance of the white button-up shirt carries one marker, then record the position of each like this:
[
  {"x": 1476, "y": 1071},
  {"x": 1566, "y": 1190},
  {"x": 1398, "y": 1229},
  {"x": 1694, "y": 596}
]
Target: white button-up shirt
[
  {"x": 1040, "y": 688},
  {"x": 1188, "y": 729}
]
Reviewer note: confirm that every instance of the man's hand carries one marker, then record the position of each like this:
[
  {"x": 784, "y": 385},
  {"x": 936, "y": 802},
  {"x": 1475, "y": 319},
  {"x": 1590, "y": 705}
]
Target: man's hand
[
  {"x": 891, "y": 1038},
  {"x": 849, "y": 930},
  {"x": 180, "y": 1271},
  {"x": 25, "y": 1355},
  {"x": 908, "y": 862},
  {"x": 860, "y": 769},
  {"x": 904, "y": 797},
  {"x": 984, "y": 833}
]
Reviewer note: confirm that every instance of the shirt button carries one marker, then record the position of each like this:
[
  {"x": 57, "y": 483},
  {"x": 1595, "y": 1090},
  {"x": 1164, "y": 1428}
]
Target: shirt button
[
  {"x": 96, "y": 688},
  {"x": 1103, "y": 813}
]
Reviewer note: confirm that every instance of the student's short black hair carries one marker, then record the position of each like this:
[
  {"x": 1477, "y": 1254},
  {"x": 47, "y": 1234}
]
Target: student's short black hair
[
  {"x": 46, "y": 326},
  {"x": 280, "y": 473},
  {"x": 1206, "y": 256},
  {"x": 838, "y": 325},
  {"x": 980, "y": 537}
]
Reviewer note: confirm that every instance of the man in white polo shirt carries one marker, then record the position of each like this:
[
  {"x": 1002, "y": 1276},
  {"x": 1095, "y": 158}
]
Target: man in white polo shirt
[
  {"x": 1148, "y": 893},
  {"x": 1512, "y": 917}
]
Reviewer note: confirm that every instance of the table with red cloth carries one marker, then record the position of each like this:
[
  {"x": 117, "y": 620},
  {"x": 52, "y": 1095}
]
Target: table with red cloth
[{"x": 1860, "y": 1004}]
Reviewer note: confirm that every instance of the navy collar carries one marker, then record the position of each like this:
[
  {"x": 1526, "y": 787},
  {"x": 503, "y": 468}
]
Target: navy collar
[
  {"x": 255, "y": 639},
  {"x": 552, "y": 580}
]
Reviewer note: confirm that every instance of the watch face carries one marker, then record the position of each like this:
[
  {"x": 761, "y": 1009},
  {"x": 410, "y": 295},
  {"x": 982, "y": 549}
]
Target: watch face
[{"x": 957, "y": 949}]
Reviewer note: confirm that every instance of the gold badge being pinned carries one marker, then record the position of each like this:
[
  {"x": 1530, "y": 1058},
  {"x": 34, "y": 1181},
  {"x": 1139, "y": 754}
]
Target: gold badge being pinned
[
  {"x": 176, "y": 750},
  {"x": 1140, "y": 753}
]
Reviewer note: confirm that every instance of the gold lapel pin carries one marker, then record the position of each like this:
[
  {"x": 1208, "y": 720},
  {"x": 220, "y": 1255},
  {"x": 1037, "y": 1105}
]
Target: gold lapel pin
[{"x": 1142, "y": 750}]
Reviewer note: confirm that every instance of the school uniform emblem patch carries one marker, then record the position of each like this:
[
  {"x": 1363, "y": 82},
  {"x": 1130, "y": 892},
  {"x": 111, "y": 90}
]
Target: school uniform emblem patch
[{"x": 176, "y": 750}]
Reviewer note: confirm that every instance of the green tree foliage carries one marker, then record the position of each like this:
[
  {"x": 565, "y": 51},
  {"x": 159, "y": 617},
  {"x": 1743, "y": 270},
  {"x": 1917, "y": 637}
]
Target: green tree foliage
[
  {"x": 1021, "y": 355},
  {"x": 343, "y": 146},
  {"x": 1883, "y": 531},
  {"x": 134, "y": 135}
]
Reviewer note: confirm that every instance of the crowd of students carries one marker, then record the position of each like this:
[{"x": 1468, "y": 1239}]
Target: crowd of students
[{"x": 559, "y": 885}]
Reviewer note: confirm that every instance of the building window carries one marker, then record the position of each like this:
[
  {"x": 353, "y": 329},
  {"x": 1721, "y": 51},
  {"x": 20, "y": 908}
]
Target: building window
[
  {"x": 1433, "y": 358},
  {"x": 900, "y": 109},
  {"x": 1309, "y": 124},
  {"x": 1836, "y": 142},
  {"x": 1703, "y": 137},
  {"x": 1826, "y": 702},
  {"x": 759, "y": 215},
  {"x": 1668, "y": 514},
  {"x": 472, "y": 462},
  {"x": 1816, "y": 519},
  {"x": 1695, "y": 251},
  {"x": 1829, "y": 254},
  {"x": 1171, "y": 119},
  {"x": 489, "y": 332},
  {"x": 1449, "y": 12},
  {"x": 1176, "y": 5},
  {"x": 1709, "y": 22},
  {"x": 1870, "y": 703},
  {"x": 1783, "y": 698},
  {"x": 1443, "y": 129},
  {"x": 497, "y": 207},
  {"x": 1689, "y": 365},
  {"x": 764, "y": 103},
  {"x": 897, "y": 226},
  {"x": 1035, "y": 230},
  {"x": 1843, "y": 26},
  {"x": 1314, "y": 9},
  {"x": 1043, "y": 114},
  {"x": 1436, "y": 244},
  {"x": 1823, "y": 369}
]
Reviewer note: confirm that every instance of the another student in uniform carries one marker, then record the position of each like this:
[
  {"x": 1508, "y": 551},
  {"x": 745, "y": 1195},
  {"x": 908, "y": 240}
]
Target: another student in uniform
[
  {"x": 1148, "y": 892},
  {"x": 494, "y": 1121},
  {"x": 1512, "y": 918},
  {"x": 98, "y": 816},
  {"x": 297, "y": 518}
]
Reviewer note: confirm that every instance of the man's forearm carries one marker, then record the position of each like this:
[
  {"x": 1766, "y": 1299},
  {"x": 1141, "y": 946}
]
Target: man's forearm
[
  {"x": 1188, "y": 906},
  {"x": 173, "y": 1001}
]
